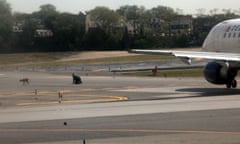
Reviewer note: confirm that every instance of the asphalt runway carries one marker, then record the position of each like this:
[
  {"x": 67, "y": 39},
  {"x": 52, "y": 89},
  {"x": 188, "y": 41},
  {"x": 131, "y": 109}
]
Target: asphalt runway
[{"x": 116, "y": 110}]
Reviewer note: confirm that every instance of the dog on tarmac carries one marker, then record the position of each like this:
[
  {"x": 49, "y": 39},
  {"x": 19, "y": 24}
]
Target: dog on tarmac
[{"x": 25, "y": 81}]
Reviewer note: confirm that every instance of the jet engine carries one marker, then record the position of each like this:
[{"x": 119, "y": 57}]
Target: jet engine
[{"x": 217, "y": 73}]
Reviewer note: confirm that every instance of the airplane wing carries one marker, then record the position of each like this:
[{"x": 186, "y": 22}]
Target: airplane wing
[{"x": 186, "y": 56}]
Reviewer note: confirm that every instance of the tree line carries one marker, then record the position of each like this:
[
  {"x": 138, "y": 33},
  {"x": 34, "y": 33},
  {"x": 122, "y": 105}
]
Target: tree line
[{"x": 101, "y": 29}]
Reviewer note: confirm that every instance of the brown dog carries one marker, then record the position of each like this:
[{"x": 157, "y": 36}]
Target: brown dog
[{"x": 25, "y": 81}]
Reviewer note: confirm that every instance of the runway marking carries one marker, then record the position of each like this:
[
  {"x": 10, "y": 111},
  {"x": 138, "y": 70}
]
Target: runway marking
[
  {"x": 124, "y": 131},
  {"x": 51, "y": 93},
  {"x": 77, "y": 95},
  {"x": 103, "y": 99}
]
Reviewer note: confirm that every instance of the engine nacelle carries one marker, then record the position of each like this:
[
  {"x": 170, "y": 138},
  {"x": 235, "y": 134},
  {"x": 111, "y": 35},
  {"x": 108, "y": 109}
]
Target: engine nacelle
[{"x": 219, "y": 73}]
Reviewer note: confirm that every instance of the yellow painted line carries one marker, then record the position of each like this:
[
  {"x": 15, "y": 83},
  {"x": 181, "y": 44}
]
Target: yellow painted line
[
  {"x": 50, "y": 93},
  {"x": 132, "y": 87},
  {"x": 36, "y": 103},
  {"x": 72, "y": 93},
  {"x": 98, "y": 70},
  {"x": 42, "y": 93},
  {"x": 104, "y": 99},
  {"x": 124, "y": 131}
]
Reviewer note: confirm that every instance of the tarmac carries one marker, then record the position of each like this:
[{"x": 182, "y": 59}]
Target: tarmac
[{"x": 116, "y": 109}]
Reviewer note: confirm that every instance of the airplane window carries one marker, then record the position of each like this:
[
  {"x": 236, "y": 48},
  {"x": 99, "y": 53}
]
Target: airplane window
[
  {"x": 225, "y": 34},
  {"x": 229, "y": 35}
]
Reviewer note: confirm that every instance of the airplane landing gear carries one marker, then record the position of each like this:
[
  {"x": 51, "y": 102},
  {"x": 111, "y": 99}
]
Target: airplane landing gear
[{"x": 232, "y": 84}]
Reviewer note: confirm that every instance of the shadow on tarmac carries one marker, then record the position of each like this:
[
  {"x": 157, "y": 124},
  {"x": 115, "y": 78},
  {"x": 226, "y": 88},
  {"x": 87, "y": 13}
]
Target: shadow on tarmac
[{"x": 208, "y": 92}]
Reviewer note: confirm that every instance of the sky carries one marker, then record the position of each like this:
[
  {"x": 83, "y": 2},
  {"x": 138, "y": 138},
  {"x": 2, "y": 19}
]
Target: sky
[{"x": 75, "y": 6}]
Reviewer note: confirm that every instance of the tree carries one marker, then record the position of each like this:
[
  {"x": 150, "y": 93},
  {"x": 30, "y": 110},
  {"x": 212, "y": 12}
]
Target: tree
[
  {"x": 27, "y": 39},
  {"x": 96, "y": 39},
  {"x": 131, "y": 12},
  {"x": 47, "y": 15},
  {"x": 104, "y": 18},
  {"x": 68, "y": 32},
  {"x": 43, "y": 19},
  {"x": 48, "y": 8},
  {"x": 201, "y": 12},
  {"x": 106, "y": 32},
  {"x": 135, "y": 16},
  {"x": 6, "y": 24},
  {"x": 213, "y": 11},
  {"x": 163, "y": 12}
]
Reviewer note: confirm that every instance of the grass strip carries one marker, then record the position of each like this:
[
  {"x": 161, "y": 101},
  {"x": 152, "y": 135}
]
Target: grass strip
[{"x": 167, "y": 73}]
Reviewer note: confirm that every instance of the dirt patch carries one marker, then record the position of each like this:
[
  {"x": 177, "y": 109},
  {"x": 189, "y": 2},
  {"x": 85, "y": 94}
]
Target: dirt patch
[{"x": 95, "y": 55}]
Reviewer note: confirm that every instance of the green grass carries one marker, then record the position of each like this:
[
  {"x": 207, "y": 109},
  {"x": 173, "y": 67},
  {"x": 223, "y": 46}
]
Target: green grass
[
  {"x": 123, "y": 59},
  {"x": 48, "y": 59},
  {"x": 27, "y": 58}
]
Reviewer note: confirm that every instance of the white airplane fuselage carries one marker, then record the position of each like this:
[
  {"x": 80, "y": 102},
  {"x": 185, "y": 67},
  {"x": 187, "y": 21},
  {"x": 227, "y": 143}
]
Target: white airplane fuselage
[{"x": 224, "y": 37}]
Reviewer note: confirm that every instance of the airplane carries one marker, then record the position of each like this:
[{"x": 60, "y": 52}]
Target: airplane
[{"x": 222, "y": 50}]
